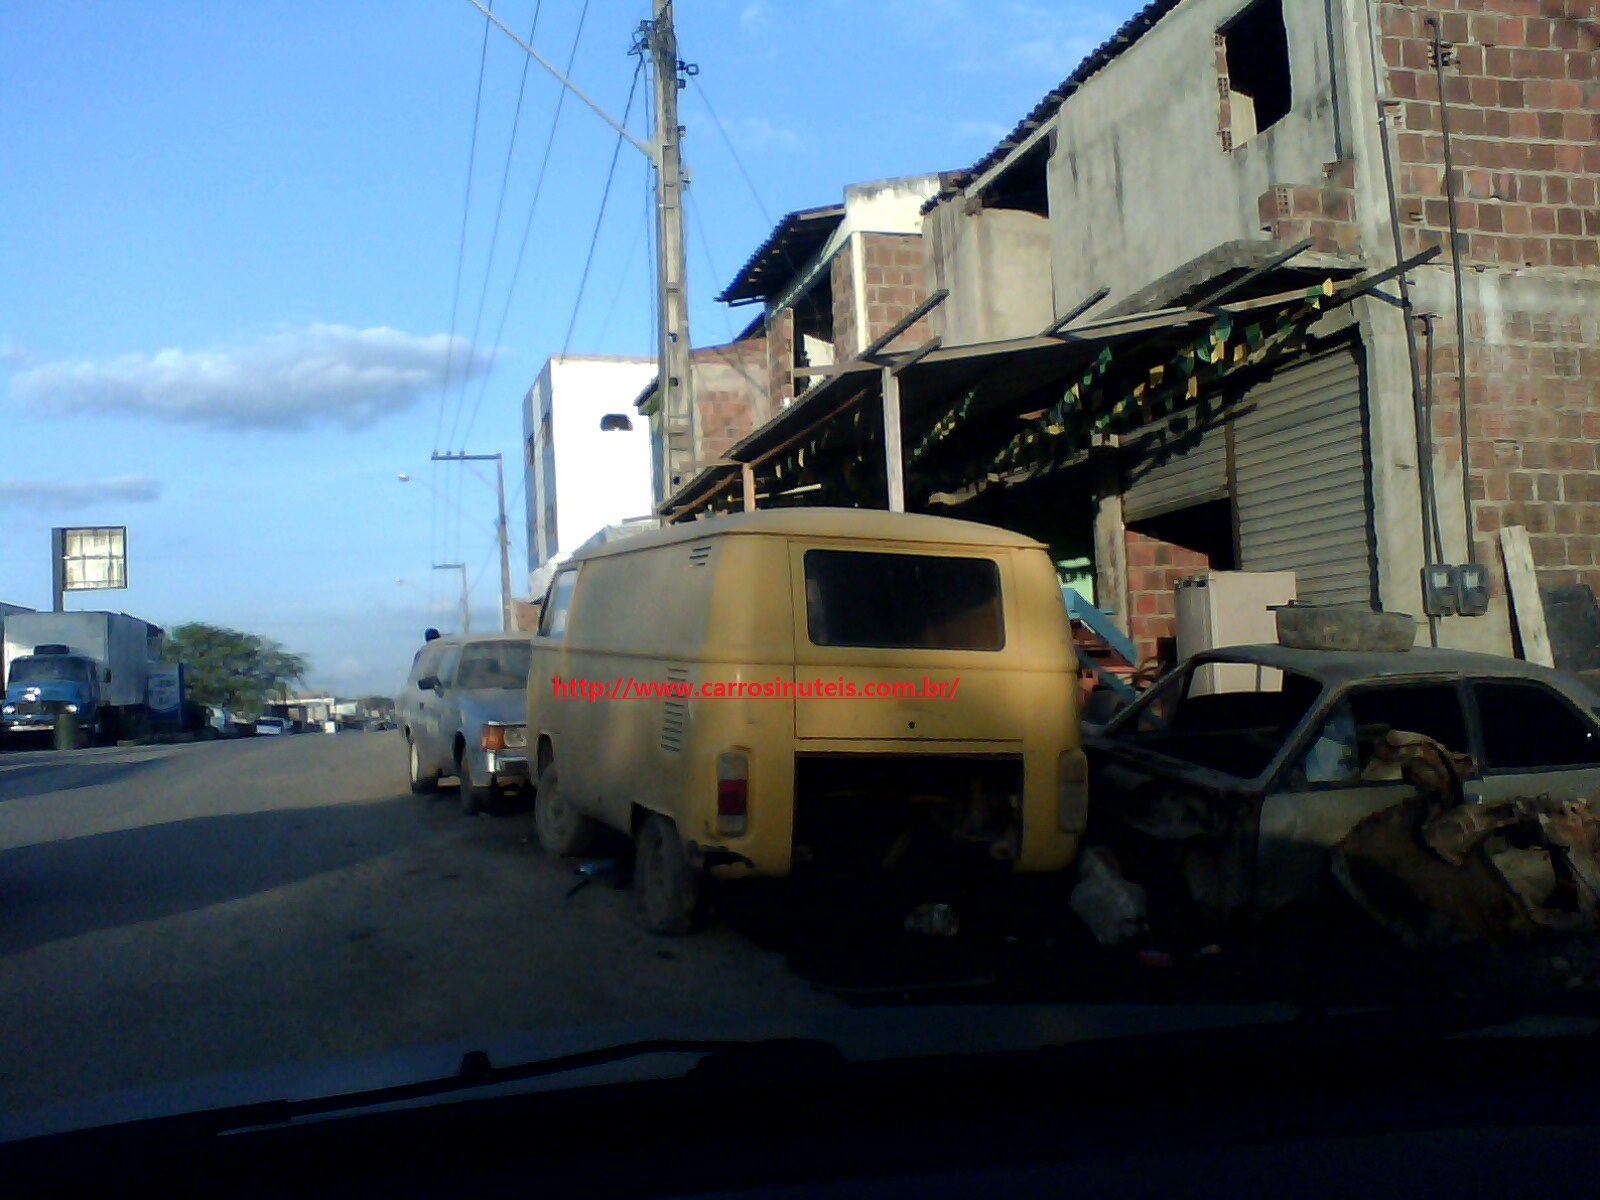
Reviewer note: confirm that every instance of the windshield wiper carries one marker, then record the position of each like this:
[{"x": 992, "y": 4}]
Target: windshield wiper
[{"x": 718, "y": 1059}]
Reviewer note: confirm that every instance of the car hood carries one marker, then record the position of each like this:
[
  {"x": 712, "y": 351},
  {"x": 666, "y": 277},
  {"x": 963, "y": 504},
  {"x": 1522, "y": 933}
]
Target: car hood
[{"x": 496, "y": 705}]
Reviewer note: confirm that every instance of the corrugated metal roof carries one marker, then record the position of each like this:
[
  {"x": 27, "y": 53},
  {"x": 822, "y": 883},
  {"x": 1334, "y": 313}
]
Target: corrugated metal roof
[
  {"x": 1103, "y": 55},
  {"x": 778, "y": 259}
]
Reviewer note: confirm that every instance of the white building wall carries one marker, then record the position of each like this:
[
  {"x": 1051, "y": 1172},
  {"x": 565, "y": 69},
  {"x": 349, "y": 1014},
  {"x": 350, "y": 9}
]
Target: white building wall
[{"x": 596, "y": 478}]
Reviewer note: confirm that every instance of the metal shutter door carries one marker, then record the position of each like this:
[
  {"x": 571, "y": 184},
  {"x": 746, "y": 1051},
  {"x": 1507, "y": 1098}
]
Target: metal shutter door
[
  {"x": 1170, "y": 478},
  {"x": 1300, "y": 474}
]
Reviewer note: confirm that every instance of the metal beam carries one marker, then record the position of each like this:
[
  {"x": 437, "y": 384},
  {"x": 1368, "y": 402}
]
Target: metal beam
[
  {"x": 893, "y": 459},
  {"x": 1076, "y": 311},
  {"x": 905, "y": 323},
  {"x": 1210, "y": 299}
]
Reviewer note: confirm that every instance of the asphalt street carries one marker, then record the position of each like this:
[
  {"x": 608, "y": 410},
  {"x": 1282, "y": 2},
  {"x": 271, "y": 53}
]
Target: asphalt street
[{"x": 168, "y": 912}]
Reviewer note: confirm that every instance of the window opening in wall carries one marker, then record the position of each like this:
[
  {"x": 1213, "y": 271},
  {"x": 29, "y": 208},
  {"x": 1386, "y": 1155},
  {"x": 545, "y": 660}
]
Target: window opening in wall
[
  {"x": 1205, "y": 528},
  {"x": 813, "y": 326},
  {"x": 1256, "y": 58},
  {"x": 1023, "y": 186},
  {"x": 615, "y": 422}
]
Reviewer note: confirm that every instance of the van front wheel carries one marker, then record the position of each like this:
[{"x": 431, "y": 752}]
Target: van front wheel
[
  {"x": 563, "y": 830},
  {"x": 667, "y": 888}
]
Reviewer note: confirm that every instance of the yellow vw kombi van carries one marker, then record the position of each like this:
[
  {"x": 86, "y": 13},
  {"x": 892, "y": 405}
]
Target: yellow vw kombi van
[{"x": 808, "y": 690}]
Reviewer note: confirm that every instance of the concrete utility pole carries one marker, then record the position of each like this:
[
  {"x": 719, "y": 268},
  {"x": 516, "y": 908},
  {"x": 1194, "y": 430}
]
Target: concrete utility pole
[
  {"x": 503, "y": 527},
  {"x": 466, "y": 601},
  {"x": 676, "y": 425}
]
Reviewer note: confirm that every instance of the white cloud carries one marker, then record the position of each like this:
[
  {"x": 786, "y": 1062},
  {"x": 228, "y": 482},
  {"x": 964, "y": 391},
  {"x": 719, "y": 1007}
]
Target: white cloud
[
  {"x": 755, "y": 16},
  {"x": 318, "y": 375},
  {"x": 56, "y": 495},
  {"x": 13, "y": 353}
]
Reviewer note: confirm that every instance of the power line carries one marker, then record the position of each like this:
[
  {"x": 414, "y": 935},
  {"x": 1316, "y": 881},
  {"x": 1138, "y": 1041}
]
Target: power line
[
  {"x": 605, "y": 196},
  {"x": 622, "y": 273},
  {"x": 461, "y": 246},
  {"x": 500, "y": 202},
  {"x": 728, "y": 142},
  {"x": 527, "y": 229}
]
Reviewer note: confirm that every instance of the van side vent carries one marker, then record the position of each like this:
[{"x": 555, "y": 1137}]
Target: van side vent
[
  {"x": 674, "y": 713},
  {"x": 699, "y": 555}
]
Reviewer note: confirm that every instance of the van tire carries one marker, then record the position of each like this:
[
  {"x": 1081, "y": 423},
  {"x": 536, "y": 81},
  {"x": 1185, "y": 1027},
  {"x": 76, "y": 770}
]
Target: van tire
[
  {"x": 563, "y": 830},
  {"x": 421, "y": 785},
  {"x": 666, "y": 888}
]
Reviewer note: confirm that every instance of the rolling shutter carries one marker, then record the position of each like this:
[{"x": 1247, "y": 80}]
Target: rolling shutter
[
  {"x": 1174, "y": 472},
  {"x": 1301, "y": 485}
]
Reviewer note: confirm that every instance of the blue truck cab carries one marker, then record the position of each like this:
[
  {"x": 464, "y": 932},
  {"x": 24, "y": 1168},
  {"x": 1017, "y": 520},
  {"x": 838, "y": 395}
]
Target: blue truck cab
[{"x": 51, "y": 681}]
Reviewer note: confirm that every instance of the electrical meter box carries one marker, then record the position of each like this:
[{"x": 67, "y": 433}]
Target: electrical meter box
[
  {"x": 1439, "y": 587},
  {"x": 1472, "y": 589}
]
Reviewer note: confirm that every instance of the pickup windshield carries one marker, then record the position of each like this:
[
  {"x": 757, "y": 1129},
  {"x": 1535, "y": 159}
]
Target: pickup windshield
[{"x": 51, "y": 670}]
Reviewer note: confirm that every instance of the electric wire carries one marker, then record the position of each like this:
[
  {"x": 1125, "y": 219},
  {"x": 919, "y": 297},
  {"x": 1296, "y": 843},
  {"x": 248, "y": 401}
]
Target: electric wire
[
  {"x": 600, "y": 216},
  {"x": 527, "y": 228},
  {"x": 461, "y": 245},
  {"x": 728, "y": 142},
  {"x": 500, "y": 201}
]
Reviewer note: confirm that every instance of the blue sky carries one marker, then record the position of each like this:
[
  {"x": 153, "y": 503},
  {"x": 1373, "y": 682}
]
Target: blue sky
[{"x": 229, "y": 240}]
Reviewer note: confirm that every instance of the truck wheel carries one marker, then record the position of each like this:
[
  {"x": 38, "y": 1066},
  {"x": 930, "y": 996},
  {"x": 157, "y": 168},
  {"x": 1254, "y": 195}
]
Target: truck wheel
[
  {"x": 666, "y": 887},
  {"x": 421, "y": 785},
  {"x": 563, "y": 830}
]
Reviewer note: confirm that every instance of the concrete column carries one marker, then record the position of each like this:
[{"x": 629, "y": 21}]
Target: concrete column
[{"x": 1110, "y": 544}]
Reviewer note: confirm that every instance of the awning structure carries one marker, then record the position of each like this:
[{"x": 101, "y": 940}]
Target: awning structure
[{"x": 893, "y": 429}]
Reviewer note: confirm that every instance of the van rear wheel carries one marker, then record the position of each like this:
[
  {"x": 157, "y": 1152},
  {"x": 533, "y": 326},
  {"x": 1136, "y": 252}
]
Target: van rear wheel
[
  {"x": 563, "y": 830},
  {"x": 666, "y": 887}
]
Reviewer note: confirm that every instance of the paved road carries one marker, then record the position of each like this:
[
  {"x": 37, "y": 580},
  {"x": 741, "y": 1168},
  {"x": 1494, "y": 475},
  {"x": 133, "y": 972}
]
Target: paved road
[{"x": 167, "y": 912}]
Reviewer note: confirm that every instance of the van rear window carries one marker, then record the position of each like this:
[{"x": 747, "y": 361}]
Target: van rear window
[{"x": 903, "y": 601}]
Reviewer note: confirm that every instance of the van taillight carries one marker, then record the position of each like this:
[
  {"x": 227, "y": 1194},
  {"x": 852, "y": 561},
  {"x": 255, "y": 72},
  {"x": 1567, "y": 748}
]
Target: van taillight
[{"x": 733, "y": 795}]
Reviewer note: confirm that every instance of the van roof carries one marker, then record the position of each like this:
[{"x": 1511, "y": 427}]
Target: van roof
[{"x": 868, "y": 524}]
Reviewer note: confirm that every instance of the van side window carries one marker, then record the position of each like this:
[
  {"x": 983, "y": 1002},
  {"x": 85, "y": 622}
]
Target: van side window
[
  {"x": 553, "y": 620},
  {"x": 903, "y": 601}
]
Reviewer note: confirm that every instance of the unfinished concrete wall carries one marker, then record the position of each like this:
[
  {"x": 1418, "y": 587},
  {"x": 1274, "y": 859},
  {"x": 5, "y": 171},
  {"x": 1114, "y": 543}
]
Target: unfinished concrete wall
[
  {"x": 1142, "y": 181},
  {"x": 995, "y": 263}
]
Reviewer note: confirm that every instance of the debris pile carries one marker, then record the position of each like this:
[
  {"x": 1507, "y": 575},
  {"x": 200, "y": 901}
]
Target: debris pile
[{"x": 1440, "y": 866}]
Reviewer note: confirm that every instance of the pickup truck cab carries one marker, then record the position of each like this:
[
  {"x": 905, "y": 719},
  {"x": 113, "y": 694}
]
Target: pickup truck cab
[{"x": 48, "y": 684}]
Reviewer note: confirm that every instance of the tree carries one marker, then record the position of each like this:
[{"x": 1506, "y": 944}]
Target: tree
[
  {"x": 382, "y": 705},
  {"x": 231, "y": 669}
]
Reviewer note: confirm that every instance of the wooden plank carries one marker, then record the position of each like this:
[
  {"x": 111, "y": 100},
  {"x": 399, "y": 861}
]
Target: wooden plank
[
  {"x": 748, "y": 474},
  {"x": 893, "y": 459},
  {"x": 1525, "y": 599}
]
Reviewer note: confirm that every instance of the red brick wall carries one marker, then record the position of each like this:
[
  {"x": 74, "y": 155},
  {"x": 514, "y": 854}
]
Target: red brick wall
[
  {"x": 1154, "y": 568},
  {"x": 894, "y": 273},
  {"x": 780, "y": 357},
  {"x": 730, "y": 392},
  {"x": 1524, "y": 100},
  {"x": 842, "y": 278},
  {"x": 1325, "y": 213}
]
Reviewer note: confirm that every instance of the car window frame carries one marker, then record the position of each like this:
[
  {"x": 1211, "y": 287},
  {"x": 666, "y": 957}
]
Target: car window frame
[
  {"x": 448, "y": 664},
  {"x": 548, "y": 610},
  {"x": 1481, "y": 752},
  {"x": 1285, "y": 782}
]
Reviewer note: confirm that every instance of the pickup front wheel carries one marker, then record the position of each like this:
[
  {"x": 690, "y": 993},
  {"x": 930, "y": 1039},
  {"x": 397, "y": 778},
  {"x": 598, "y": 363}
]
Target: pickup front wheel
[
  {"x": 421, "y": 785},
  {"x": 563, "y": 830}
]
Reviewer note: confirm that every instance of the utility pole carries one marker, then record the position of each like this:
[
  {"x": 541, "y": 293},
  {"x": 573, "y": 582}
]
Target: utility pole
[
  {"x": 466, "y": 601},
  {"x": 503, "y": 528},
  {"x": 676, "y": 422}
]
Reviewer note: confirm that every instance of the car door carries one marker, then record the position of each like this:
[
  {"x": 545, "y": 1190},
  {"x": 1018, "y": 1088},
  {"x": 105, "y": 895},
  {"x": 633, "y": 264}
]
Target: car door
[
  {"x": 443, "y": 719},
  {"x": 1328, "y": 787},
  {"x": 413, "y": 709},
  {"x": 1536, "y": 741}
]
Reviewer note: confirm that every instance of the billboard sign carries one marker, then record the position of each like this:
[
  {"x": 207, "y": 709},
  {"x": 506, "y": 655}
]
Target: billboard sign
[{"x": 89, "y": 558}]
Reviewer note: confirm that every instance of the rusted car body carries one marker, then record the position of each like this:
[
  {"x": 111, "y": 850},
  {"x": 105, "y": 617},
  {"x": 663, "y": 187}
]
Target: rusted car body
[{"x": 1239, "y": 774}]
